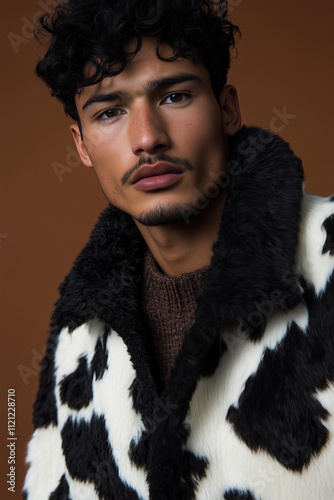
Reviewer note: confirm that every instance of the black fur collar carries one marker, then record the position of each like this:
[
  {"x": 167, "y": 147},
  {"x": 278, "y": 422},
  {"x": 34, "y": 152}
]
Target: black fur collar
[{"x": 251, "y": 274}]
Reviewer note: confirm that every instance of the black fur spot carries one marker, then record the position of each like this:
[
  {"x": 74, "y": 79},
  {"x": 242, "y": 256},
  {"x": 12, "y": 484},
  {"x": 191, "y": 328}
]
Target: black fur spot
[
  {"x": 277, "y": 410},
  {"x": 193, "y": 471},
  {"x": 254, "y": 325},
  {"x": 139, "y": 451},
  {"x": 89, "y": 458},
  {"x": 100, "y": 359},
  {"x": 45, "y": 410},
  {"x": 212, "y": 359},
  {"x": 236, "y": 494},
  {"x": 62, "y": 491},
  {"x": 76, "y": 388},
  {"x": 138, "y": 393},
  {"x": 183, "y": 475},
  {"x": 329, "y": 228}
]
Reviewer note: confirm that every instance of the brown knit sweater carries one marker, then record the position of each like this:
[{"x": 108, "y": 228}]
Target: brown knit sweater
[{"x": 169, "y": 309}]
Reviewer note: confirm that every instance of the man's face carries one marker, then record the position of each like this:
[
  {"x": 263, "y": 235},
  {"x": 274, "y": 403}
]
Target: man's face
[{"x": 159, "y": 114}]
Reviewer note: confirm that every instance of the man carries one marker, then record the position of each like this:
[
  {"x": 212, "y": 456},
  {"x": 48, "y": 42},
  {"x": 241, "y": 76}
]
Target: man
[{"x": 191, "y": 351}]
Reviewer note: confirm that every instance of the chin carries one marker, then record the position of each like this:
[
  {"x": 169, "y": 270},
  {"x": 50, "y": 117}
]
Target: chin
[{"x": 165, "y": 214}]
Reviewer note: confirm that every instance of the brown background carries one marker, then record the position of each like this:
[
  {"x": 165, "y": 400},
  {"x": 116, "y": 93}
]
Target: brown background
[{"x": 285, "y": 60}]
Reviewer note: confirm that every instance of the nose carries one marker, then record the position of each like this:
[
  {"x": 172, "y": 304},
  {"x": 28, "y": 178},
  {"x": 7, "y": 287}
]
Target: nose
[{"x": 147, "y": 131}]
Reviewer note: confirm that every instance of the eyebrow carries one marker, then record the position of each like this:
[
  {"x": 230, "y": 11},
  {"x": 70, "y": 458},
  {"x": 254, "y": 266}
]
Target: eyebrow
[{"x": 151, "y": 86}]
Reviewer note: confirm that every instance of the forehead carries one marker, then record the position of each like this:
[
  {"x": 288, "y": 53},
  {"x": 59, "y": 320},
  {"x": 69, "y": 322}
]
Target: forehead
[{"x": 144, "y": 68}]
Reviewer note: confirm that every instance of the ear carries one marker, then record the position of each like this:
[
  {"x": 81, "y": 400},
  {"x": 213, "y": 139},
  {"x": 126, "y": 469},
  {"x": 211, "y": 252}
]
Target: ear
[
  {"x": 230, "y": 110},
  {"x": 80, "y": 145}
]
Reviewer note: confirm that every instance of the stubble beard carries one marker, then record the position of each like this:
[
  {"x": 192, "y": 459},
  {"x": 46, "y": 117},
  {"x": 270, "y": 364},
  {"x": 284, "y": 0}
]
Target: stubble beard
[{"x": 164, "y": 214}]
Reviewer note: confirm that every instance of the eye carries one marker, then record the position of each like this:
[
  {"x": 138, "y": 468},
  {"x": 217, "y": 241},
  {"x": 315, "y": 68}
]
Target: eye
[
  {"x": 110, "y": 113},
  {"x": 175, "y": 98}
]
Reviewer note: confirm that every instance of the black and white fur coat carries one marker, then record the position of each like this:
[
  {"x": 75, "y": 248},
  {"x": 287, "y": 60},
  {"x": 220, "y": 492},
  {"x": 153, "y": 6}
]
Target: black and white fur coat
[{"x": 248, "y": 412}]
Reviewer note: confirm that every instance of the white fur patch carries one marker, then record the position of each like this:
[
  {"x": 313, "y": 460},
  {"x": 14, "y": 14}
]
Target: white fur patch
[
  {"x": 82, "y": 491},
  {"x": 112, "y": 400},
  {"x": 71, "y": 346},
  {"x": 315, "y": 266},
  {"x": 47, "y": 463},
  {"x": 231, "y": 463}
]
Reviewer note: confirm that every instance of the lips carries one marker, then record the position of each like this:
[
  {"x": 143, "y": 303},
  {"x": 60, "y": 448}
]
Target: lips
[{"x": 157, "y": 169}]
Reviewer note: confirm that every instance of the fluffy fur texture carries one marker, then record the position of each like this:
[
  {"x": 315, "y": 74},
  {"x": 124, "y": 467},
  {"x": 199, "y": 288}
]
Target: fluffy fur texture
[{"x": 249, "y": 409}]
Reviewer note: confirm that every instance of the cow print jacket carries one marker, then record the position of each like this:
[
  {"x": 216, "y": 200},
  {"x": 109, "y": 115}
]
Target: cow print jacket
[{"x": 248, "y": 413}]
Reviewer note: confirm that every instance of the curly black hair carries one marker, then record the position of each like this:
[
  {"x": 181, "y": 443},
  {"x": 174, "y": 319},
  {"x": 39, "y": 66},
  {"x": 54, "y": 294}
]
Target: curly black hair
[{"x": 96, "y": 31}]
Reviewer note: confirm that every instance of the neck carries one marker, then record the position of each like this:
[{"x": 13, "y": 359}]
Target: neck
[{"x": 183, "y": 247}]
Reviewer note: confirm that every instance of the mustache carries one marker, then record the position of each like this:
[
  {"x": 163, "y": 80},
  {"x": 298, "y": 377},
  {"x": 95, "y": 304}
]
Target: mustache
[{"x": 151, "y": 160}]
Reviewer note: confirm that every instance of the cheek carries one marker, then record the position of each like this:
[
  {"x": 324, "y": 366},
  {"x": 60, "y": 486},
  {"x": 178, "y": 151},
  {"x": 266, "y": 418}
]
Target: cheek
[
  {"x": 110, "y": 161},
  {"x": 101, "y": 152},
  {"x": 93, "y": 140},
  {"x": 208, "y": 149},
  {"x": 106, "y": 149},
  {"x": 201, "y": 128},
  {"x": 204, "y": 135}
]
